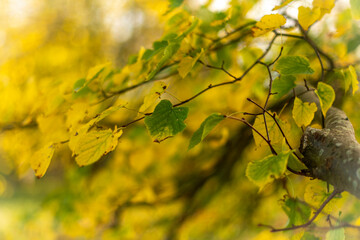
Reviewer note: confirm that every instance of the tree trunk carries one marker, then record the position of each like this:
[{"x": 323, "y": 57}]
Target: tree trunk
[{"x": 332, "y": 154}]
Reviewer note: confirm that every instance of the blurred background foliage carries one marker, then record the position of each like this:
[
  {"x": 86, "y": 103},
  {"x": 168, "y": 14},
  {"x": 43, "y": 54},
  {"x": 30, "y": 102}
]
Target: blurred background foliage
[{"x": 143, "y": 190}]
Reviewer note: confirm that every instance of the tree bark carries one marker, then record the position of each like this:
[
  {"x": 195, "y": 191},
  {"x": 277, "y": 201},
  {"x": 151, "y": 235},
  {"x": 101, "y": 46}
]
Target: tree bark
[{"x": 332, "y": 154}]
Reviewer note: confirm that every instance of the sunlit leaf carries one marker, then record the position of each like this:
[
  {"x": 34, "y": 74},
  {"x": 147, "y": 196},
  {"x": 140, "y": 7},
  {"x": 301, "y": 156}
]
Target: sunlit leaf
[
  {"x": 308, "y": 16},
  {"x": 266, "y": 170},
  {"x": 336, "y": 234},
  {"x": 187, "y": 63},
  {"x": 355, "y": 9},
  {"x": 76, "y": 113},
  {"x": 95, "y": 144},
  {"x": 194, "y": 23},
  {"x": 298, "y": 212},
  {"x": 325, "y": 6},
  {"x": 350, "y": 78},
  {"x": 316, "y": 193},
  {"x": 293, "y": 65},
  {"x": 206, "y": 126},
  {"x": 283, "y": 84},
  {"x": 169, "y": 51},
  {"x": 75, "y": 138},
  {"x": 268, "y": 23},
  {"x": 166, "y": 121},
  {"x": 185, "y": 66},
  {"x": 93, "y": 73},
  {"x": 283, "y": 4},
  {"x": 326, "y": 96},
  {"x": 274, "y": 132},
  {"x": 303, "y": 112},
  {"x": 40, "y": 161},
  {"x": 154, "y": 94}
]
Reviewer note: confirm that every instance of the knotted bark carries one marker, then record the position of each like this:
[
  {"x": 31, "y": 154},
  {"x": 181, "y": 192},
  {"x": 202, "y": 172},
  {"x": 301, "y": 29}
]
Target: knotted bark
[{"x": 332, "y": 154}]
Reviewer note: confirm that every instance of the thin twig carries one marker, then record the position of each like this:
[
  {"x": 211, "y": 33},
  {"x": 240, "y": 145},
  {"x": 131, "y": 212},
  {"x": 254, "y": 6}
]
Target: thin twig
[
  {"x": 316, "y": 214},
  {"x": 273, "y": 116},
  {"x": 218, "y": 68},
  {"x": 255, "y": 130}
]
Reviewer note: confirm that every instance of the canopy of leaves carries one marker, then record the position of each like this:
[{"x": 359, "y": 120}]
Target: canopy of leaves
[{"x": 102, "y": 100}]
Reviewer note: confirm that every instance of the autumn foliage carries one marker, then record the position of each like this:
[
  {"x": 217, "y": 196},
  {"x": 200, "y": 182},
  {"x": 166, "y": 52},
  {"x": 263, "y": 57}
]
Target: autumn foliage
[{"x": 177, "y": 121}]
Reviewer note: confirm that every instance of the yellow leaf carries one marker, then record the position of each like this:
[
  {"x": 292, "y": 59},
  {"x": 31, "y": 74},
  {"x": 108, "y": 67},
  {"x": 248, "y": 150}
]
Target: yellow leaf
[
  {"x": 95, "y": 71},
  {"x": 316, "y": 193},
  {"x": 354, "y": 79},
  {"x": 303, "y": 112},
  {"x": 76, "y": 113},
  {"x": 326, "y": 95},
  {"x": 286, "y": 2},
  {"x": 52, "y": 127},
  {"x": 154, "y": 94},
  {"x": 325, "y": 6},
  {"x": 41, "y": 160},
  {"x": 308, "y": 16},
  {"x": 78, "y": 134},
  {"x": 145, "y": 195},
  {"x": 274, "y": 132},
  {"x": 185, "y": 66},
  {"x": 268, "y": 23},
  {"x": 95, "y": 144},
  {"x": 187, "y": 63}
]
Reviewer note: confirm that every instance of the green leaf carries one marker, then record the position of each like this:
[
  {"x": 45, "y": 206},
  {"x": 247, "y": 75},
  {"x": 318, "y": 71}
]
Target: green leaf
[
  {"x": 95, "y": 144},
  {"x": 303, "y": 112},
  {"x": 169, "y": 51},
  {"x": 336, "y": 234},
  {"x": 326, "y": 96},
  {"x": 205, "y": 128},
  {"x": 172, "y": 48},
  {"x": 265, "y": 170},
  {"x": 175, "y": 3},
  {"x": 355, "y": 9},
  {"x": 293, "y": 65},
  {"x": 193, "y": 25},
  {"x": 298, "y": 212},
  {"x": 350, "y": 78},
  {"x": 295, "y": 163},
  {"x": 166, "y": 121},
  {"x": 40, "y": 161},
  {"x": 309, "y": 236},
  {"x": 283, "y": 84}
]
